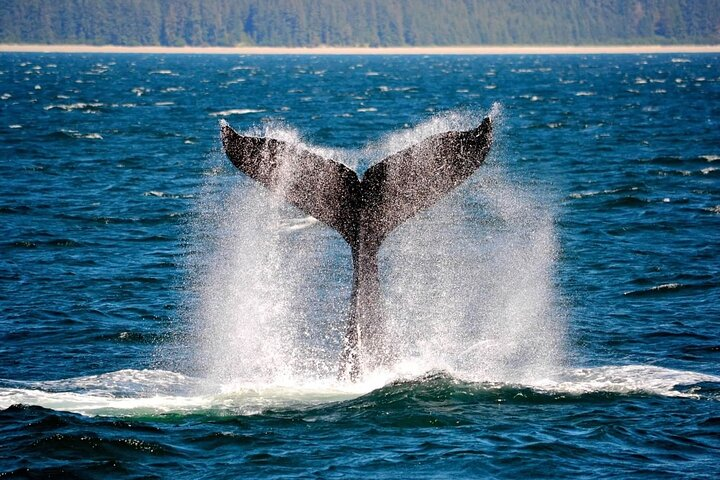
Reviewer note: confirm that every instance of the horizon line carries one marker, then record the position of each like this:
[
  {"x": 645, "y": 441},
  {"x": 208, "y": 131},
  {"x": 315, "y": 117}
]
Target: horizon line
[{"x": 344, "y": 50}]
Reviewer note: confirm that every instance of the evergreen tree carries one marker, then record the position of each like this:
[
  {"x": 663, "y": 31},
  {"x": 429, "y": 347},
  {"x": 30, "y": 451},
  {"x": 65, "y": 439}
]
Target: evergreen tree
[{"x": 359, "y": 22}]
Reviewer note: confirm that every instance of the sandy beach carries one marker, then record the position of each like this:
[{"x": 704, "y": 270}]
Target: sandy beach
[{"x": 455, "y": 50}]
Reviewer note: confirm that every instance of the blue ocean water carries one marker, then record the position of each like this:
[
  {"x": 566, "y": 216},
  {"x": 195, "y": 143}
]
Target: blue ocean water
[{"x": 162, "y": 316}]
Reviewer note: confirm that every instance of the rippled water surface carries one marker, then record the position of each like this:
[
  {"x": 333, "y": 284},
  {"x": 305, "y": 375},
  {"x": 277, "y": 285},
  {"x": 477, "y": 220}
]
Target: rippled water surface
[{"x": 163, "y": 316}]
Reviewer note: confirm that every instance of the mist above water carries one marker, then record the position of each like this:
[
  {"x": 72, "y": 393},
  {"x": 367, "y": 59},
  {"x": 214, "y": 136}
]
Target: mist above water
[{"x": 468, "y": 285}]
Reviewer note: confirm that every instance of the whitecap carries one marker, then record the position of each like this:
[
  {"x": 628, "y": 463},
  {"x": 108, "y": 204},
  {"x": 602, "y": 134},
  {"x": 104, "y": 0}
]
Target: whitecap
[
  {"x": 627, "y": 379},
  {"x": 657, "y": 288},
  {"x": 368, "y": 109},
  {"x": 235, "y": 111},
  {"x": 74, "y": 106},
  {"x": 76, "y": 134}
]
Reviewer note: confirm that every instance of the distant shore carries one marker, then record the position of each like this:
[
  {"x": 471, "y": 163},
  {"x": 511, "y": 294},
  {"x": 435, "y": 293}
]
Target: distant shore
[{"x": 457, "y": 50}]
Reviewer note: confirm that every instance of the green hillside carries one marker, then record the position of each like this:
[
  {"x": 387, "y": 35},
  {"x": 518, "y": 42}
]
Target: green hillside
[{"x": 359, "y": 22}]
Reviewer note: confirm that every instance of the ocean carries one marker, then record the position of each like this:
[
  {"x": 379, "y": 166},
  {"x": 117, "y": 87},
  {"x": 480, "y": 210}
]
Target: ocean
[{"x": 163, "y": 316}]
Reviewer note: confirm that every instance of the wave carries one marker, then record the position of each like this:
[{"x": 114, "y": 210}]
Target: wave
[
  {"x": 67, "y": 134},
  {"x": 667, "y": 288},
  {"x": 235, "y": 111},
  {"x": 593, "y": 193},
  {"x": 132, "y": 393},
  {"x": 84, "y": 106},
  {"x": 55, "y": 242}
]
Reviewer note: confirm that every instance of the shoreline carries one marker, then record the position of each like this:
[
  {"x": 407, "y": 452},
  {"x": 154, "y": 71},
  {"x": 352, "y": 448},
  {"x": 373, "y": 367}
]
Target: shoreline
[{"x": 453, "y": 50}]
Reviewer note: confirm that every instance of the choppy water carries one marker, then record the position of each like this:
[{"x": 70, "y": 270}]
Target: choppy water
[{"x": 557, "y": 316}]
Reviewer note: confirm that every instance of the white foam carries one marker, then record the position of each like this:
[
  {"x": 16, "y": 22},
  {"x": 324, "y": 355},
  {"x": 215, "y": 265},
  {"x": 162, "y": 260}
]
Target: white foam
[
  {"x": 76, "y": 134},
  {"x": 235, "y": 111},
  {"x": 628, "y": 379},
  {"x": 158, "y": 392},
  {"x": 69, "y": 107}
]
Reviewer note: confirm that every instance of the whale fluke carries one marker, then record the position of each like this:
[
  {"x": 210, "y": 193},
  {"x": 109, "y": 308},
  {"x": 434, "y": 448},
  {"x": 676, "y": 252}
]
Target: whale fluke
[
  {"x": 363, "y": 212},
  {"x": 320, "y": 187}
]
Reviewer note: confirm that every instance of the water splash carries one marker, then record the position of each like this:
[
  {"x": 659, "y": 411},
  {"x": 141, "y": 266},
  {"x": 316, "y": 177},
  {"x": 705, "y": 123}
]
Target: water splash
[
  {"x": 468, "y": 284},
  {"x": 266, "y": 306}
]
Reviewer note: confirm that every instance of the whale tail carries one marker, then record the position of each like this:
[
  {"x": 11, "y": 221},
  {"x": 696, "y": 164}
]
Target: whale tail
[{"x": 363, "y": 211}]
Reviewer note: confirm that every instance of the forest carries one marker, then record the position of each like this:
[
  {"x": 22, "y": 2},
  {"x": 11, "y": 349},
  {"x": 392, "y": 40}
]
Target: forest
[{"x": 359, "y": 22}]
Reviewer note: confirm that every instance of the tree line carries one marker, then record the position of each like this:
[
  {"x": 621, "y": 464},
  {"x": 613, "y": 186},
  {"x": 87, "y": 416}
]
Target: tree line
[{"x": 359, "y": 22}]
